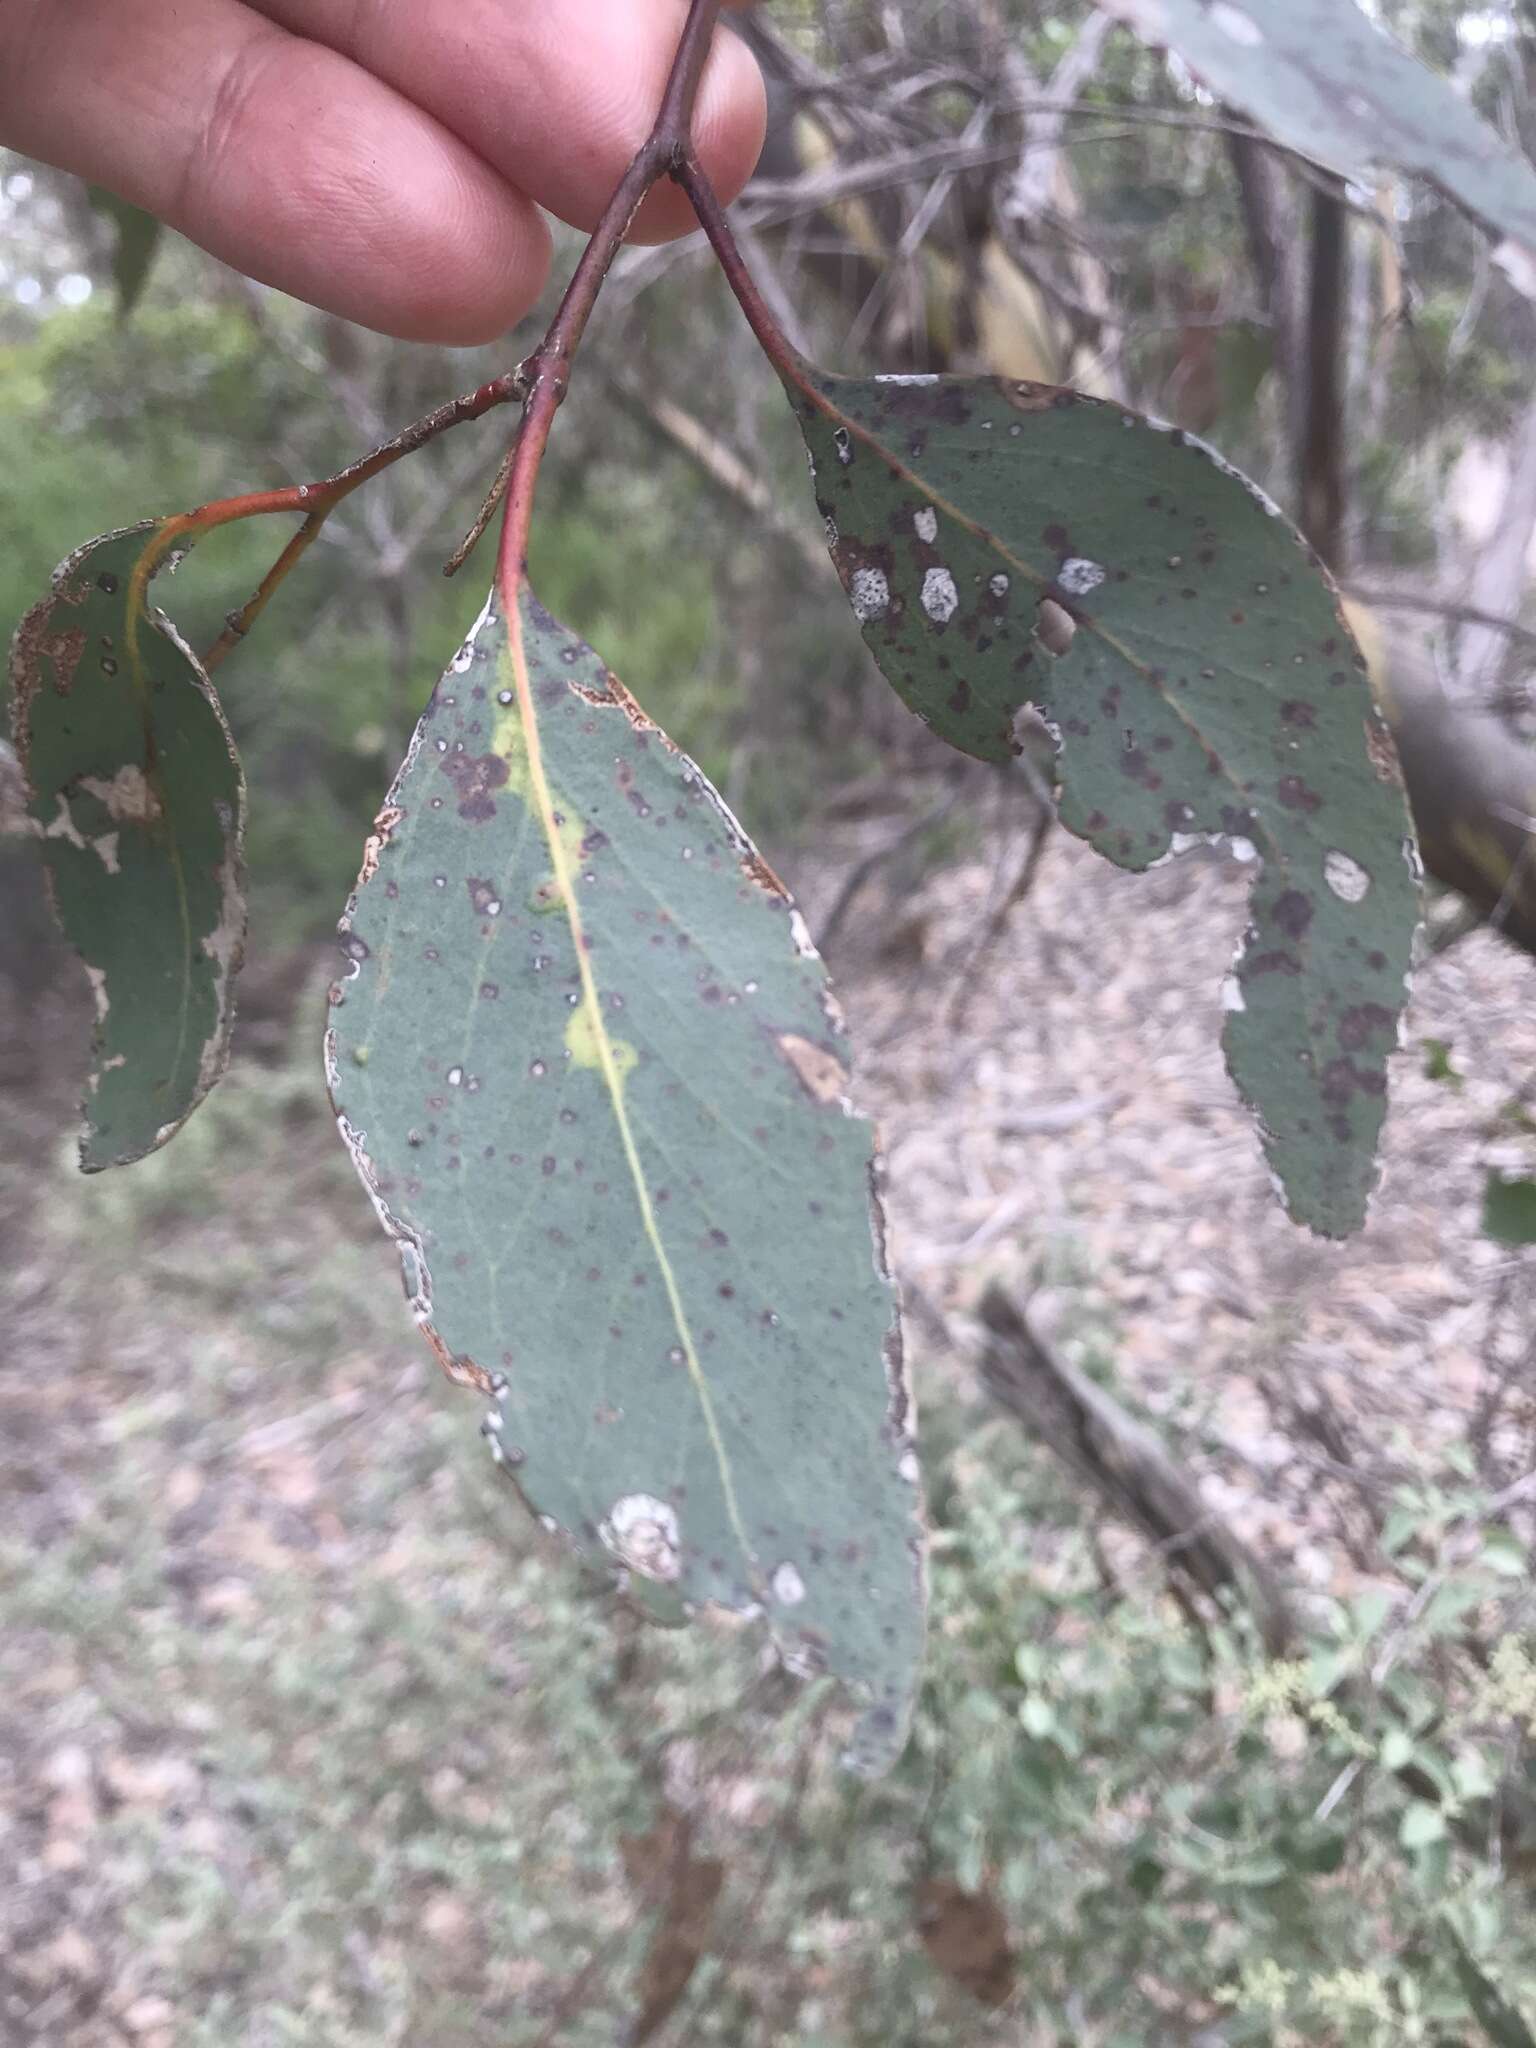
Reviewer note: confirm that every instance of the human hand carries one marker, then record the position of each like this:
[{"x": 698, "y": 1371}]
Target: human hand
[{"x": 385, "y": 159}]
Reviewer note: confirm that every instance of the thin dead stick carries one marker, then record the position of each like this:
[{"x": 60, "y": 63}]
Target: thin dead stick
[
  {"x": 964, "y": 984},
  {"x": 483, "y": 518},
  {"x": 1445, "y": 608},
  {"x": 862, "y": 870},
  {"x": 720, "y": 464}
]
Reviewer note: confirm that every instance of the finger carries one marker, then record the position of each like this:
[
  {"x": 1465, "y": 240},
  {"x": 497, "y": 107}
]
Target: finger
[
  {"x": 556, "y": 94},
  {"x": 282, "y": 157}
]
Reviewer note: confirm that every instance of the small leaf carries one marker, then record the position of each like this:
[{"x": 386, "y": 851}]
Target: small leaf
[
  {"x": 1421, "y": 1825},
  {"x": 1471, "y": 1776},
  {"x": 588, "y": 1065},
  {"x": 136, "y": 238},
  {"x": 1499, "y": 2020},
  {"x": 1211, "y": 690},
  {"x": 1509, "y": 1210},
  {"x": 1504, "y": 1553},
  {"x": 136, "y": 791},
  {"x": 1323, "y": 79},
  {"x": 1037, "y": 1716},
  {"x": 1438, "y": 1064},
  {"x": 1396, "y": 1749}
]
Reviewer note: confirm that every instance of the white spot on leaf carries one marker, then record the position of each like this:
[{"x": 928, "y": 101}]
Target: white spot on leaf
[
  {"x": 941, "y": 600},
  {"x": 869, "y": 594},
  {"x": 127, "y": 796},
  {"x": 925, "y": 524},
  {"x": 1345, "y": 877},
  {"x": 787, "y": 1586},
  {"x": 1077, "y": 575},
  {"x": 642, "y": 1533}
]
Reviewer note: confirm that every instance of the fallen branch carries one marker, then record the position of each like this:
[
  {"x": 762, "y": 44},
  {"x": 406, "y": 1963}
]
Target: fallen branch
[{"x": 1130, "y": 1470}]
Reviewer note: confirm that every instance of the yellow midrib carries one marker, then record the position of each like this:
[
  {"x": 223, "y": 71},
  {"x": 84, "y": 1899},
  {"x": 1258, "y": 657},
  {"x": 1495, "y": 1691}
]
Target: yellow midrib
[{"x": 613, "y": 1080}]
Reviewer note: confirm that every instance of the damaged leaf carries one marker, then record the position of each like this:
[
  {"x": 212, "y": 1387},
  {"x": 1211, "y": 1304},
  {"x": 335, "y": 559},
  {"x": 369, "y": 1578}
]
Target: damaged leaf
[
  {"x": 136, "y": 792},
  {"x": 588, "y": 1065},
  {"x": 1325, "y": 80},
  {"x": 1208, "y": 688}
]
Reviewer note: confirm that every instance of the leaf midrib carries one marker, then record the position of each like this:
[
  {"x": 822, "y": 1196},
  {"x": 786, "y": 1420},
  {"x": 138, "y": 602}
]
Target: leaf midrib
[{"x": 613, "y": 1080}]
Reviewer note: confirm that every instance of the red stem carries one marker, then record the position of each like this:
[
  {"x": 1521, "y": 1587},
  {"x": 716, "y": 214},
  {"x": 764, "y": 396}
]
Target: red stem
[
  {"x": 691, "y": 175},
  {"x": 316, "y": 501}
]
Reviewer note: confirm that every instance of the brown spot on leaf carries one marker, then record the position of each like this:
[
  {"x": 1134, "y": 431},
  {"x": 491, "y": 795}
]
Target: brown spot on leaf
[
  {"x": 460, "y": 1368},
  {"x": 1380, "y": 751},
  {"x": 820, "y": 1073},
  {"x": 474, "y": 776},
  {"x": 1293, "y": 912},
  {"x": 1295, "y": 794},
  {"x": 1361, "y": 1023},
  {"x": 756, "y": 869}
]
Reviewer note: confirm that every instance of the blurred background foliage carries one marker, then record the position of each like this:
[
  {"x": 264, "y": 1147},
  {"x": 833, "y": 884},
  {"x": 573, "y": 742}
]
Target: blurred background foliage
[{"x": 305, "y": 1739}]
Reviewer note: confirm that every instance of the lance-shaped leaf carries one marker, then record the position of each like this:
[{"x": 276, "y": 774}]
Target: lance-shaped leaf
[
  {"x": 137, "y": 792},
  {"x": 588, "y": 1065},
  {"x": 136, "y": 236},
  {"x": 1325, "y": 80},
  {"x": 1211, "y": 688}
]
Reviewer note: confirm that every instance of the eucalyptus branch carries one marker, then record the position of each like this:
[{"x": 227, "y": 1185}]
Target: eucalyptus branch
[
  {"x": 316, "y": 501},
  {"x": 539, "y": 383},
  {"x": 705, "y": 202},
  {"x": 662, "y": 154}
]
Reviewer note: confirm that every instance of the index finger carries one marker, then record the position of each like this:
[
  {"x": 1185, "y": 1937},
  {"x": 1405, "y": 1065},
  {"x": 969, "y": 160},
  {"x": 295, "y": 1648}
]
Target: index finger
[
  {"x": 557, "y": 98},
  {"x": 303, "y": 166}
]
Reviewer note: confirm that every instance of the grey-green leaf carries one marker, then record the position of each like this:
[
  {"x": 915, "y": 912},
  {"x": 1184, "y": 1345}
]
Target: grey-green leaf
[
  {"x": 136, "y": 236},
  {"x": 1325, "y": 80},
  {"x": 588, "y": 1065},
  {"x": 1211, "y": 690},
  {"x": 1509, "y": 1209},
  {"x": 137, "y": 794}
]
